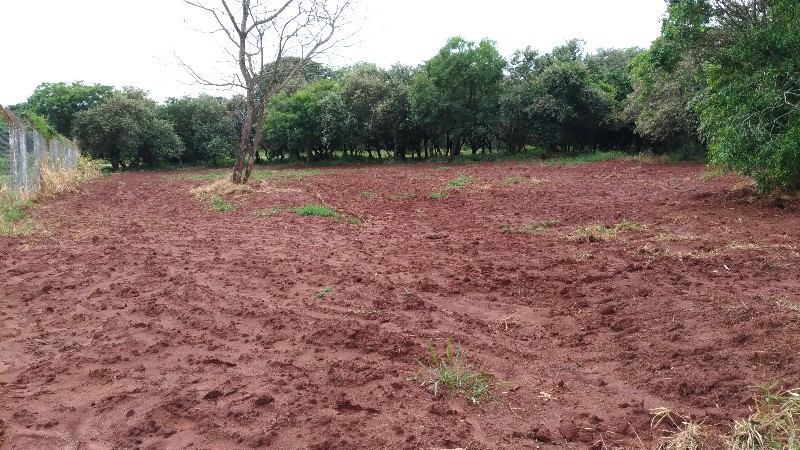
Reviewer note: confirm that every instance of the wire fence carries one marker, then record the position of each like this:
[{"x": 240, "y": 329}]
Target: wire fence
[{"x": 24, "y": 152}]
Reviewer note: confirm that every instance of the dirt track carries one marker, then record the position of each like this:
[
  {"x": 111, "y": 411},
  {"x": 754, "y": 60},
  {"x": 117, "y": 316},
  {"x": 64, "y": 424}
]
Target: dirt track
[{"x": 138, "y": 317}]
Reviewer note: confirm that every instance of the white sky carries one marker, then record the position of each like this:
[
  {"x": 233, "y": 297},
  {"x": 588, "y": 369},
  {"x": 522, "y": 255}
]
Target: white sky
[{"x": 125, "y": 42}]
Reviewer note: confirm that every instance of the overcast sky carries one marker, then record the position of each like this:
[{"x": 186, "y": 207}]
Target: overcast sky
[{"x": 124, "y": 42}]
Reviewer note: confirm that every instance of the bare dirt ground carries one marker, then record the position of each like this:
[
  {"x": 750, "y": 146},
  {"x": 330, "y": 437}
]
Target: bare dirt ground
[{"x": 139, "y": 317}]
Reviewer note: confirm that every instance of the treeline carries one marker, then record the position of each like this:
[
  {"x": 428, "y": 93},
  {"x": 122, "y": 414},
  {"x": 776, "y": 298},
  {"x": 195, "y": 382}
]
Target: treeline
[{"x": 722, "y": 79}]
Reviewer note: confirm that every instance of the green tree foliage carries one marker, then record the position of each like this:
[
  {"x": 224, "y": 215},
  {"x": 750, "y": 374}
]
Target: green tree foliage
[
  {"x": 659, "y": 104},
  {"x": 59, "y": 103},
  {"x": 748, "y": 104},
  {"x": 295, "y": 122},
  {"x": 457, "y": 92},
  {"x": 205, "y": 124},
  {"x": 125, "y": 131}
]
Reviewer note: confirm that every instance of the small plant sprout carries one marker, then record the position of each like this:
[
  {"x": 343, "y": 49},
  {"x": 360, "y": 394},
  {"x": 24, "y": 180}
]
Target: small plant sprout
[
  {"x": 451, "y": 374},
  {"x": 407, "y": 292},
  {"x": 367, "y": 194},
  {"x": 436, "y": 195},
  {"x": 323, "y": 293}
]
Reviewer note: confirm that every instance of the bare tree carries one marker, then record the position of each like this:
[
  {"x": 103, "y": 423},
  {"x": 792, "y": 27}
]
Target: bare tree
[{"x": 270, "y": 41}]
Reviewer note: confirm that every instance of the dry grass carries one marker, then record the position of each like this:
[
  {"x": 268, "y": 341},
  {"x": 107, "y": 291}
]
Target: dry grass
[
  {"x": 672, "y": 237},
  {"x": 775, "y": 424},
  {"x": 592, "y": 233},
  {"x": 651, "y": 250},
  {"x": 220, "y": 188},
  {"x": 507, "y": 324},
  {"x": 53, "y": 181}
]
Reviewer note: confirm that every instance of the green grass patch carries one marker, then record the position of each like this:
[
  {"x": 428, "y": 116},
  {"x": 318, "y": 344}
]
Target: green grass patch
[
  {"x": 404, "y": 196},
  {"x": 221, "y": 205},
  {"x": 460, "y": 181},
  {"x": 531, "y": 228},
  {"x": 202, "y": 176},
  {"x": 297, "y": 174},
  {"x": 437, "y": 195},
  {"x": 451, "y": 374},
  {"x": 315, "y": 210},
  {"x": 268, "y": 212},
  {"x": 12, "y": 209}
]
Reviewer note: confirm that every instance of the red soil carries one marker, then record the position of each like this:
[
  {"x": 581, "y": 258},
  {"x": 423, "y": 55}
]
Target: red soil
[{"x": 138, "y": 317}]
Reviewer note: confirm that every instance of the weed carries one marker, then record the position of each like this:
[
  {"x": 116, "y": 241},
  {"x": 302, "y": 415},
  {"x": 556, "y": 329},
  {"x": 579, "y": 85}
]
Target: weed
[
  {"x": 460, "y": 181},
  {"x": 315, "y": 210},
  {"x": 323, "y": 293},
  {"x": 511, "y": 180},
  {"x": 774, "y": 425},
  {"x": 12, "y": 208},
  {"x": 269, "y": 212},
  {"x": 532, "y": 228},
  {"x": 370, "y": 195},
  {"x": 626, "y": 225},
  {"x": 591, "y": 233},
  {"x": 452, "y": 374},
  {"x": 436, "y": 195},
  {"x": 403, "y": 196},
  {"x": 221, "y": 205},
  {"x": 407, "y": 292}
]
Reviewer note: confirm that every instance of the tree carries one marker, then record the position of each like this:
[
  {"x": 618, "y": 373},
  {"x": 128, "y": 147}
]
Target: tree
[
  {"x": 125, "y": 130},
  {"x": 59, "y": 103},
  {"x": 295, "y": 122},
  {"x": 576, "y": 109},
  {"x": 205, "y": 125},
  {"x": 749, "y": 104},
  {"x": 262, "y": 32},
  {"x": 459, "y": 89}
]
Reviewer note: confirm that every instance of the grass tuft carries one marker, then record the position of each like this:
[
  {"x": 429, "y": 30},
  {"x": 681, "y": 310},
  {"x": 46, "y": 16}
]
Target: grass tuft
[
  {"x": 775, "y": 424},
  {"x": 221, "y": 205},
  {"x": 532, "y": 228},
  {"x": 13, "y": 207},
  {"x": 592, "y": 233},
  {"x": 452, "y": 374},
  {"x": 315, "y": 210},
  {"x": 460, "y": 181},
  {"x": 436, "y": 195}
]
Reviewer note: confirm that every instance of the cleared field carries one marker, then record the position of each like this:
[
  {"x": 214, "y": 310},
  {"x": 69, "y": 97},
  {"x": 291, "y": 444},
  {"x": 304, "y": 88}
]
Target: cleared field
[{"x": 302, "y": 313}]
